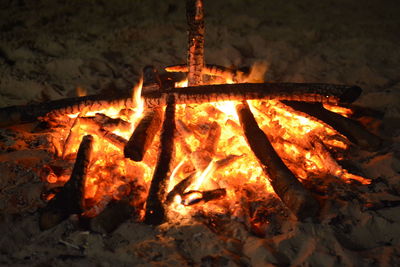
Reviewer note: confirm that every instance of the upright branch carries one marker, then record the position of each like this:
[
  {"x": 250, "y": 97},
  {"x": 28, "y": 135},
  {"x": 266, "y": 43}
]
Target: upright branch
[
  {"x": 70, "y": 199},
  {"x": 155, "y": 203},
  {"x": 285, "y": 184},
  {"x": 352, "y": 129},
  {"x": 195, "y": 20}
]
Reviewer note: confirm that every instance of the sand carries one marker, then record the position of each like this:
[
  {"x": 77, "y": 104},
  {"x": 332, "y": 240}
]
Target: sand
[{"x": 49, "y": 48}]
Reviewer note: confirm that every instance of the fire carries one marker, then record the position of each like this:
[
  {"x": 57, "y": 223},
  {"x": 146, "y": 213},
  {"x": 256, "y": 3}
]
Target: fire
[{"x": 211, "y": 147}]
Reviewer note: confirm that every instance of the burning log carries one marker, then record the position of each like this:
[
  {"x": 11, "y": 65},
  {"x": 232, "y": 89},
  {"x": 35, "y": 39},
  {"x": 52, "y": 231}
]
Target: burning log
[
  {"x": 70, "y": 199},
  {"x": 287, "y": 187},
  {"x": 143, "y": 135},
  {"x": 195, "y": 20},
  {"x": 73, "y": 134},
  {"x": 353, "y": 130},
  {"x": 113, "y": 138},
  {"x": 309, "y": 92},
  {"x": 179, "y": 188},
  {"x": 195, "y": 197},
  {"x": 211, "y": 142},
  {"x": 111, "y": 124},
  {"x": 155, "y": 210}
]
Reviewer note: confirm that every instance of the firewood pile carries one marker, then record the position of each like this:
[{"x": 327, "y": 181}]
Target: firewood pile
[{"x": 164, "y": 149}]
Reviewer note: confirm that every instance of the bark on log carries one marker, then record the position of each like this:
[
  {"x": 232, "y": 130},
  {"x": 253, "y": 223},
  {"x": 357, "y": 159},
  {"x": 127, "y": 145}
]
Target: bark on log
[
  {"x": 70, "y": 199},
  {"x": 155, "y": 203},
  {"x": 353, "y": 130},
  {"x": 195, "y": 20},
  {"x": 285, "y": 184},
  {"x": 309, "y": 92},
  {"x": 143, "y": 135}
]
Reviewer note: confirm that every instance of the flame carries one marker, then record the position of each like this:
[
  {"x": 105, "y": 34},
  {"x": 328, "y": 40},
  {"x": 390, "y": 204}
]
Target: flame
[
  {"x": 80, "y": 91},
  {"x": 303, "y": 143}
]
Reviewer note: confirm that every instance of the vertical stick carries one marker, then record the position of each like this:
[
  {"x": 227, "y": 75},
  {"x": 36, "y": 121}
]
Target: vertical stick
[
  {"x": 195, "y": 20},
  {"x": 70, "y": 199},
  {"x": 286, "y": 186},
  {"x": 155, "y": 203}
]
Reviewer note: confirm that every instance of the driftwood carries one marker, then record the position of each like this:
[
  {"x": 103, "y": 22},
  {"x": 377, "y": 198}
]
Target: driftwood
[
  {"x": 285, "y": 184},
  {"x": 195, "y": 20},
  {"x": 70, "y": 199},
  {"x": 353, "y": 130},
  {"x": 143, "y": 135},
  {"x": 309, "y": 92},
  {"x": 155, "y": 206}
]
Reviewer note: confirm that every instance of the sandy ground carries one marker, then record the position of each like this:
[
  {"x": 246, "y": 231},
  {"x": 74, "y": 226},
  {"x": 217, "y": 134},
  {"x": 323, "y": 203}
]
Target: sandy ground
[{"x": 49, "y": 48}]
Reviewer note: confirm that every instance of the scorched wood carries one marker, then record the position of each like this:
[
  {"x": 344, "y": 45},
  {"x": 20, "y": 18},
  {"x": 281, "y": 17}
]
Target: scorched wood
[
  {"x": 353, "y": 130},
  {"x": 195, "y": 20},
  {"x": 155, "y": 206},
  {"x": 143, "y": 135},
  {"x": 309, "y": 92},
  {"x": 71, "y": 196},
  {"x": 285, "y": 184}
]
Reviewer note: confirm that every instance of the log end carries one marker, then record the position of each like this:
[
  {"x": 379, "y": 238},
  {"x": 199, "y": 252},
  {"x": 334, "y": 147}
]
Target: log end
[{"x": 133, "y": 154}]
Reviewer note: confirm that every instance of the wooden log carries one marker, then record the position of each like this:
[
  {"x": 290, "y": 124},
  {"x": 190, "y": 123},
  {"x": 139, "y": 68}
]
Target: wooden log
[
  {"x": 196, "y": 29},
  {"x": 113, "y": 138},
  {"x": 71, "y": 196},
  {"x": 111, "y": 124},
  {"x": 285, "y": 184},
  {"x": 195, "y": 196},
  {"x": 155, "y": 206},
  {"x": 324, "y": 93},
  {"x": 353, "y": 130},
  {"x": 143, "y": 135},
  {"x": 72, "y": 136},
  {"x": 179, "y": 188}
]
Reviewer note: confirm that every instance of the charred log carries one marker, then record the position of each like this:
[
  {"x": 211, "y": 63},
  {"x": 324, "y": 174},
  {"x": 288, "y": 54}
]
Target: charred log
[
  {"x": 143, "y": 135},
  {"x": 285, "y": 184},
  {"x": 195, "y": 197},
  {"x": 324, "y": 93},
  {"x": 113, "y": 138},
  {"x": 111, "y": 124},
  {"x": 179, "y": 188},
  {"x": 70, "y": 199},
  {"x": 195, "y": 20},
  {"x": 155, "y": 206},
  {"x": 353, "y": 130}
]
